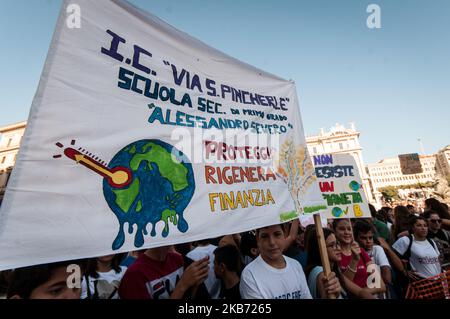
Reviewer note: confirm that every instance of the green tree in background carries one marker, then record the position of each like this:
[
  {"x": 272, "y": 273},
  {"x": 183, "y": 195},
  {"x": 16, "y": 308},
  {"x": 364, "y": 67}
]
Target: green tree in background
[{"x": 389, "y": 193}]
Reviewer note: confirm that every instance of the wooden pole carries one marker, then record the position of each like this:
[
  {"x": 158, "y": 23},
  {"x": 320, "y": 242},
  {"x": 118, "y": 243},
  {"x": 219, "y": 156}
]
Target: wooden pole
[
  {"x": 323, "y": 249},
  {"x": 351, "y": 228}
]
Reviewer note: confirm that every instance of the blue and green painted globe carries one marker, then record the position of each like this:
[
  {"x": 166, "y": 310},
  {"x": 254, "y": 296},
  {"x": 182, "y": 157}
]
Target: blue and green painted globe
[{"x": 161, "y": 188}]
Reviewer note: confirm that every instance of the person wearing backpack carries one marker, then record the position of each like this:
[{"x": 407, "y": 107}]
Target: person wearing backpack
[
  {"x": 440, "y": 236},
  {"x": 419, "y": 253}
]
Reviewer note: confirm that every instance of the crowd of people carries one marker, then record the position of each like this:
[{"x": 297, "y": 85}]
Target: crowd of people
[{"x": 373, "y": 258}]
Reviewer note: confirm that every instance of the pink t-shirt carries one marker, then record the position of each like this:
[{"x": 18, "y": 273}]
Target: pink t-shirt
[{"x": 361, "y": 275}]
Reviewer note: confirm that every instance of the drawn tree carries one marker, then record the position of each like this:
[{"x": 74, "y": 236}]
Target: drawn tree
[{"x": 297, "y": 170}]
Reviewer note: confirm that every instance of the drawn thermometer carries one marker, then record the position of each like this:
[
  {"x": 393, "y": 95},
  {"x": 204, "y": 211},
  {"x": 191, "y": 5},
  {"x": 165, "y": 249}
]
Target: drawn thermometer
[{"x": 117, "y": 177}]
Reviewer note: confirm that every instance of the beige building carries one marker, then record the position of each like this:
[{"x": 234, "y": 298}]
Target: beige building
[
  {"x": 10, "y": 138},
  {"x": 387, "y": 172},
  {"x": 340, "y": 140},
  {"x": 443, "y": 161}
]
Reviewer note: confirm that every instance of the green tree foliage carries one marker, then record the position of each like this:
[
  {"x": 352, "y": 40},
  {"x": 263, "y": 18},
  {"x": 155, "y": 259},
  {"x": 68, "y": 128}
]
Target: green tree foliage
[{"x": 389, "y": 193}]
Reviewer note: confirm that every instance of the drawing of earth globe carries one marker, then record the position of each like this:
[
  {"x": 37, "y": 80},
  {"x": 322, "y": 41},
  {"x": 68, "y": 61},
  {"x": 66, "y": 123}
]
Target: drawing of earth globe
[
  {"x": 337, "y": 212},
  {"x": 354, "y": 185},
  {"x": 161, "y": 187}
]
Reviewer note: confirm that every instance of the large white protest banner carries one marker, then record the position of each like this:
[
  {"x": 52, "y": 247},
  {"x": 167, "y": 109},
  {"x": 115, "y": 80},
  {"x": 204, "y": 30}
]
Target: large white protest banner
[
  {"x": 341, "y": 186},
  {"x": 142, "y": 136}
]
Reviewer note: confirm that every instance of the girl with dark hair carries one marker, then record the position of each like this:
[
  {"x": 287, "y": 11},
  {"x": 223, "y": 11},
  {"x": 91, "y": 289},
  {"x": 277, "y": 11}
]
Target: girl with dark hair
[
  {"x": 103, "y": 277},
  {"x": 355, "y": 263},
  {"x": 386, "y": 215},
  {"x": 401, "y": 222},
  {"x": 354, "y": 260},
  {"x": 314, "y": 268},
  {"x": 420, "y": 253},
  {"x": 48, "y": 281}
]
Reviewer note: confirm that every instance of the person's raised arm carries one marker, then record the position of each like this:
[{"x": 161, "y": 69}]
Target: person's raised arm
[
  {"x": 386, "y": 274},
  {"x": 392, "y": 256},
  {"x": 292, "y": 234},
  {"x": 193, "y": 276},
  {"x": 352, "y": 267}
]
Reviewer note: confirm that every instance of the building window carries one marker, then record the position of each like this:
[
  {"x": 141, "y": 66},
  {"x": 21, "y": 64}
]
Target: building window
[
  {"x": 314, "y": 150},
  {"x": 9, "y": 142},
  {"x": 341, "y": 147},
  {"x": 3, "y": 159}
]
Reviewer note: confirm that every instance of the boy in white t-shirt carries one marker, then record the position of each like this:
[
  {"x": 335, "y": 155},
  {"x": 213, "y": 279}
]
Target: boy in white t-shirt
[
  {"x": 274, "y": 276},
  {"x": 364, "y": 235}
]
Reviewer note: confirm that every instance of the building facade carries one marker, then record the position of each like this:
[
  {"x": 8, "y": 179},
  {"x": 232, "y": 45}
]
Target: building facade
[
  {"x": 387, "y": 172},
  {"x": 443, "y": 161},
  {"x": 10, "y": 139},
  {"x": 341, "y": 140}
]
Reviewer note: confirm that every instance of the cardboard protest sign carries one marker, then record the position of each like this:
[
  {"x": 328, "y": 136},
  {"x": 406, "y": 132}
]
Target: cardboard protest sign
[
  {"x": 141, "y": 136},
  {"x": 341, "y": 186},
  {"x": 410, "y": 164}
]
